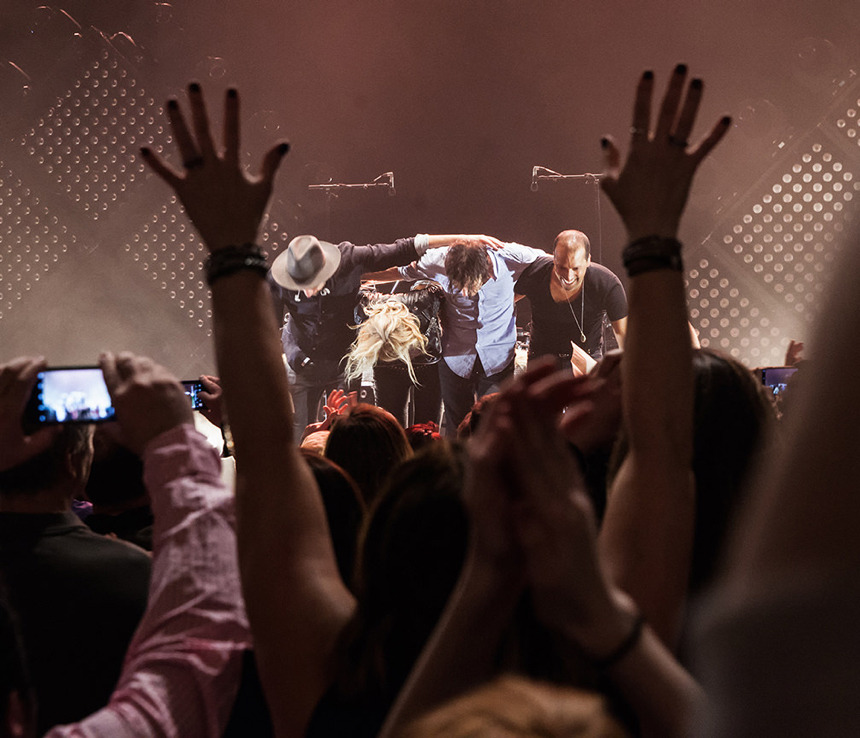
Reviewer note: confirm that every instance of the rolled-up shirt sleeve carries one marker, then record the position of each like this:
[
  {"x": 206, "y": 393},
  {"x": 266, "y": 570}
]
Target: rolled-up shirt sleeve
[{"x": 182, "y": 669}]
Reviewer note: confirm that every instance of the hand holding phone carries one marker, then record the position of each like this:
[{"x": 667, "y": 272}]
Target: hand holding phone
[
  {"x": 148, "y": 399},
  {"x": 17, "y": 379}
]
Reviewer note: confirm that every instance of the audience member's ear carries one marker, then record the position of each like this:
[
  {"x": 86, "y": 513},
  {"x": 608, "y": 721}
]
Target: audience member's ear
[{"x": 17, "y": 723}]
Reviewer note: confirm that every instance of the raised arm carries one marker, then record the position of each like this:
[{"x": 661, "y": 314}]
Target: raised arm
[
  {"x": 182, "y": 669},
  {"x": 296, "y": 601},
  {"x": 647, "y": 533}
]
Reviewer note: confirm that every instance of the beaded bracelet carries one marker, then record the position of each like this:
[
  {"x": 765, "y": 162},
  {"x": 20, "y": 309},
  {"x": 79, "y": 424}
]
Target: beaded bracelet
[
  {"x": 652, "y": 252},
  {"x": 232, "y": 259}
]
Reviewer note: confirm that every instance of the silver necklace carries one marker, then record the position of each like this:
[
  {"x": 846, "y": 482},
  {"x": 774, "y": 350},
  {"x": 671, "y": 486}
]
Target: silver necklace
[{"x": 581, "y": 309}]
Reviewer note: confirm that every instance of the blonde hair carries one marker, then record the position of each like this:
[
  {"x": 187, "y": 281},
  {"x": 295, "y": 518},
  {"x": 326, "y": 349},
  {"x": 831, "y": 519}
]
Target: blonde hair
[
  {"x": 517, "y": 707},
  {"x": 390, "y": 333}
]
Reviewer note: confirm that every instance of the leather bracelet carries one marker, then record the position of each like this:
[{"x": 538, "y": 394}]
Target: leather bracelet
[
  {"x": 624, "y": 648},
  {"x": 650, "y": 253},
  {"x": 232, "y": 259}
]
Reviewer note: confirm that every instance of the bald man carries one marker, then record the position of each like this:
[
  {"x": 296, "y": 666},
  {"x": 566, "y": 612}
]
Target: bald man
[{"x": 569, "y": 296}]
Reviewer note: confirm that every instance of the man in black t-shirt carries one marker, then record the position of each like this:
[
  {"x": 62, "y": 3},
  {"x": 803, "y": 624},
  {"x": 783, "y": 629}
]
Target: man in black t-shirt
[{"x": 569, "y": 296}]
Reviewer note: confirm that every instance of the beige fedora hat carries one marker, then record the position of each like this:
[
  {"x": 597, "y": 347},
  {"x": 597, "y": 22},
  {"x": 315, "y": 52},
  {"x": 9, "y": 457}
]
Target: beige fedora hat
[{"x": 307, "y": 263}]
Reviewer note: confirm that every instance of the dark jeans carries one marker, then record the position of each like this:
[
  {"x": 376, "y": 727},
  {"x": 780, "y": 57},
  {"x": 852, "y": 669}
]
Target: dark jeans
[
  {"x": 307, "y": 387},
  {"x": 392, "y": 392},
  {"x": 460, "y": 393}
]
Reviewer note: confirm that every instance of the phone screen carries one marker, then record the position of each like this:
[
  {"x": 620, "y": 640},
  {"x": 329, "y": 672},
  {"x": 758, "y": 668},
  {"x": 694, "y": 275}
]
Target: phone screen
[
  {"x": 70, "y": 395},
  {"x": 192, "y": 388},
  {"x": 776, "y": 378}
]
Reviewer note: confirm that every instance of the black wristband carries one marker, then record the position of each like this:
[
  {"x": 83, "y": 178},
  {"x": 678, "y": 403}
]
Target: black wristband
[
  {"x": 232, "y": 259},
  {"x": 650, "y": 253},
  {"x": 624, "y": 648}
]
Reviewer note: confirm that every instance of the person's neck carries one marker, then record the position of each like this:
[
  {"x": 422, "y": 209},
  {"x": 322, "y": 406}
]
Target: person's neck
[
  {"x": 569, "y": 293},
  {"x": 56, "y": 500}
]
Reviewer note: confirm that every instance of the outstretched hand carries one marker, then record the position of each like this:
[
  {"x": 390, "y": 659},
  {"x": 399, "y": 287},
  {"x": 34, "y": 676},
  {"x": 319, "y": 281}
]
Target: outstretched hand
[
  {"x": 650, "y": 189},
  {"x": 17, "y": 379},
  {"x": 225, "y": 205}
]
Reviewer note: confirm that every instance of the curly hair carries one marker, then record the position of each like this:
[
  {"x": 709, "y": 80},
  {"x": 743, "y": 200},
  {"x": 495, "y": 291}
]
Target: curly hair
[{"x": 390, "y": 333}]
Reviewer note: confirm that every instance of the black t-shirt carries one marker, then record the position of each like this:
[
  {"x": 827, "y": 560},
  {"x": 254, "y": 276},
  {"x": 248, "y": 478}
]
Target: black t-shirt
[
  {"x": 79, "y": 597},
  {"x": 554, "y": 324}
]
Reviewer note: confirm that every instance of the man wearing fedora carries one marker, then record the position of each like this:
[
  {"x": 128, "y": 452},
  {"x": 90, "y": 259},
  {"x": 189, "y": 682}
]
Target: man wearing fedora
[{"x": 316, "y": 285}]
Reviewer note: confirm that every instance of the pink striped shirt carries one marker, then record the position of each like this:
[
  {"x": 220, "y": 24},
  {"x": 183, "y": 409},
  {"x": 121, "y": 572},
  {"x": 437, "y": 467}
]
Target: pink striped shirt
[{"x": 181, "y": 672}]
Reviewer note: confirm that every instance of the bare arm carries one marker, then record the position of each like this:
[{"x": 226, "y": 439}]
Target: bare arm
[
  {"x": 647, "y": 534},
  {"x": 296, "y": 601},
  {"x": 619, "y": 327}
]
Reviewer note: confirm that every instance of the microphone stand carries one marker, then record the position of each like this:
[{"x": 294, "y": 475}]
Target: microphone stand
[
  {"x": 542, "y": 174},
  {"x": 331, "y": 190}
]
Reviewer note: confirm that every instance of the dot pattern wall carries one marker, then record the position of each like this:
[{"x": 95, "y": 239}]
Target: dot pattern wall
[
  {"x": 32, "y": 239},
  {"x": 759, "y": 279},
  {"x": 88, "y": 140}
]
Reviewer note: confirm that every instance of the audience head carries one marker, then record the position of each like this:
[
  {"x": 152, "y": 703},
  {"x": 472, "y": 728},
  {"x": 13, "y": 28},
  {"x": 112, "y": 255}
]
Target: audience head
[
  {"x": 390, "y": 333},
  {"x": 423, "y": 434},
  {"x": 116, "y": 475},
  {"x": 367, "y": 442},
  {"x": 344, "y": 509},
  {"x": 468, "y": 267},
  {"x": 732, "y": 417},
  {"x": 470, "y": 423},
  {"x": 316, "y": 442},
  {"x": 515, "y": 707},
  {"x": 64, "y": 466},
  {"x": 411, "y": 552}
]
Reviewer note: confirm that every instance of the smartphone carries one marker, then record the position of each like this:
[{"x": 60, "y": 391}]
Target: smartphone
[
  {"x": 775, "y": 378},
  {"x": 69, "y": 395},
  {"x": 193, "y": 387}
]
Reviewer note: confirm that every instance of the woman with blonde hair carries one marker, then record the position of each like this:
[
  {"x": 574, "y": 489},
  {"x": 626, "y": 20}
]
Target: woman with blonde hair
[{"x": 399, "y": 341}]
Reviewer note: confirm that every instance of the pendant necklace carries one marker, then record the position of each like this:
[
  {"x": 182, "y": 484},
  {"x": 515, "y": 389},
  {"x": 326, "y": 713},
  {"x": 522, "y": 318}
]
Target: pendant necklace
[{"x": 581, "y": 309}]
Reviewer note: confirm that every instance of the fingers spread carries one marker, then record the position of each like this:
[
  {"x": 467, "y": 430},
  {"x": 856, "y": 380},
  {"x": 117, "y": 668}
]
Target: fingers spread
[
  {"x": 688, "y": 111},
  {"x": 200, "y": 119},
  {"x": 231, "y": 127},
  {"x": 162, "y": 169},
  {"x": 642, "y": 105},
  {"x": 272, "y": 161},
  {"x": 187, "y": 148},
  {"x": 669, "y": 108},
  {"x": 712, "y": 139},
  {"x": 611, "y": 159}
]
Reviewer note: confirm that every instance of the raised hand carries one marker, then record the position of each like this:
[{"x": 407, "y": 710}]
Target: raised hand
[
  {"x": 650, "y": 189},
  {"x": 148, "y": 399},
  {"x": 224, "y": 203},
  {"x": 211, "y": 396},
  {"x": 17, "y": 379},
  {"x": 338, "y": 402}
]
